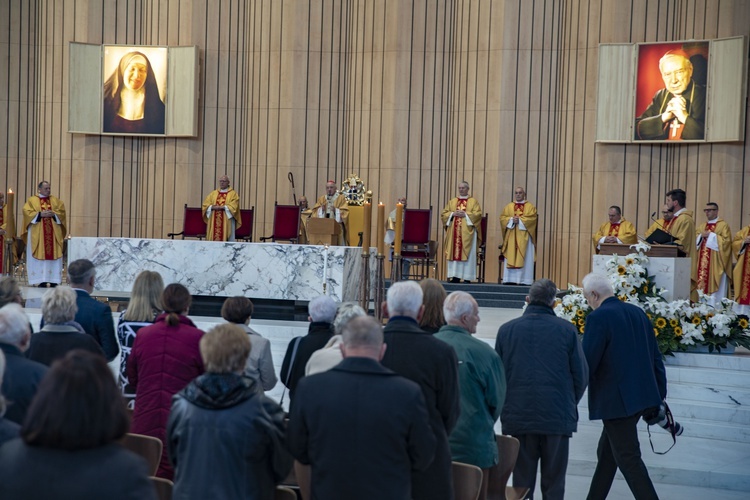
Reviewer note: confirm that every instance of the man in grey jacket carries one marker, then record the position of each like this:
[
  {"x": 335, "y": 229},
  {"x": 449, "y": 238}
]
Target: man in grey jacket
[{"x": 546, "y": 373}]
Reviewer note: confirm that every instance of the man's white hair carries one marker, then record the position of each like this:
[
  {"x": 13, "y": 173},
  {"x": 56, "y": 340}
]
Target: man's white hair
[
  {"x": 14, "y": 324},
  {"x": 598, "y": 283},
  {"x": 456, "y": 305},
  {"x": 322, "y": 308},
  {"x": 404, "y": 299}
]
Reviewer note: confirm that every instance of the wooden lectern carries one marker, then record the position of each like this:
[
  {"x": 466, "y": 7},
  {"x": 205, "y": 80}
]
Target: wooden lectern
[
  {"x": 656, "y": 250},
  {"x": 323, "y": 231}
]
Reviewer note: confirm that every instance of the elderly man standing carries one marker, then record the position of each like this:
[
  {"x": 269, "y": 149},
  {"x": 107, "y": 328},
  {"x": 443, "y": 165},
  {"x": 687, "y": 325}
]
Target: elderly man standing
[
  {"x": 431, "y": 363},
  {"x": 662, "y": 223},
  {"x": 221, "y": 212},
  {"x": 518, "y": 222},
  {"x": 482, "y": 382},
  {"x": 44, "y": 219},
  {"x": 22, "y": 375},
  {"x": 322, "y": 311},
  {"x": 616, "y": 230},
  {"x": 461, "y": 218},
  {"x": 626, "y": 377},
  {"x": 360, "y": 426},
  {"x": 333, "y": 205},
  {"x": 678, "y": 111},
  {"x": 545, "y": 418},
  {"x": 713, "y": 267}
]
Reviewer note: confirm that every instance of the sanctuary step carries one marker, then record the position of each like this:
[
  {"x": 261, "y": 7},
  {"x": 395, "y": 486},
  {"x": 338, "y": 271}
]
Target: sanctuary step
[{"x": 709, "y": 395}]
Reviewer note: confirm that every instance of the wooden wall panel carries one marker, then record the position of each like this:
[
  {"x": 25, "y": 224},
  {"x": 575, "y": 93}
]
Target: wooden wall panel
[{"x": 412, "y": 95}]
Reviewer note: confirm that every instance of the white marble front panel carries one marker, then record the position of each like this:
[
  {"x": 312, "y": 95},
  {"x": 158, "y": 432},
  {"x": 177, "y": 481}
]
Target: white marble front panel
[
  {"x": 670, "y": 273},
  {"x": 255, "y": 270}
]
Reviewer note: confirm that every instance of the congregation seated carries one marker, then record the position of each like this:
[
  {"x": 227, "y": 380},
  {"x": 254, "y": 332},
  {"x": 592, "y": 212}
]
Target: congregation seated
[
  {"x": 143, "y": 307},
  {"x": 225, "y": 438},
  {"x": 259, "y": 367},
  {"x": 60, "y": 332},
  {"x": 164, "y": 359},
  {"x": 68, "y": 445},
  {"x": 330, "y": 355}
]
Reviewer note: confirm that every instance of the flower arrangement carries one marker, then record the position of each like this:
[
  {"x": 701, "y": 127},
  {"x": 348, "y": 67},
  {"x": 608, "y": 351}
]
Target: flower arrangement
[{"x": 678, "y": 324}]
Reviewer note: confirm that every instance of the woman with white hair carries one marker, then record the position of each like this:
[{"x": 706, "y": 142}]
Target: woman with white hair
[
  {"x": 330, "y": 355},
  {"x": 60, "y": 333}
]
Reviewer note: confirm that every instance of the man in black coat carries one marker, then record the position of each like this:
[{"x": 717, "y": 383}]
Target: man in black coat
[
  {"x": 360, "y": 426},
  {"x": 321, "y": 312},
  {"x": 433, "y": 364},
  {"x": 94, "y": 316},
  {"x": 627, "y": 376},
  {"x": 22, "y": 375},
  {"x": 547, "y": 375}
]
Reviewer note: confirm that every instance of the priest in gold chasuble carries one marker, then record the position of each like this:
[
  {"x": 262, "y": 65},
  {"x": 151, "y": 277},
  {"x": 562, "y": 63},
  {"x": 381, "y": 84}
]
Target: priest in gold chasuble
[
  {"x": 740, "y": 247},
  {"x": 44, "y": 219},
  {"x": 617, "y": 230},
  {"x": 461, "y": 218},
  {"x": 682, "y": 228},
  {"x": 518, "y": 221},
  {"x": 713, "y": 265},
  {"x": 333, "y": 205},
  {"x": 221, "y": 212}
]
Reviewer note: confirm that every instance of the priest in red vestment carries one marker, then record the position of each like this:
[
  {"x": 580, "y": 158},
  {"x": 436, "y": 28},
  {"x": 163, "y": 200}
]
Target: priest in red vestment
[{"x": 713, "y": 264}]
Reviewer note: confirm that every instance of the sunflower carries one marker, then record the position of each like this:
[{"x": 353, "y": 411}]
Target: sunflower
[
  {"x": 621, "y": 270},
  {"x": 579, "y": 313},
  {"x": 644, "y": 289},
  {"x": 634, "y": 291},
  {"x": 623, "y": 298},
  {"x": 678, "y": 331},
  {"x": 696, "y": 320},
  {"x": 581, "y": 322},
  {"x": 656, "y": 332},
  {"x": 673, "y": 322},
  {"x": 661, "y": 323},
  {"x": 629, "y": 261},
  {"x": 580, "y": 329},
  {"x": 650, "y": 317},
  {"x": 743, "y": 323}
]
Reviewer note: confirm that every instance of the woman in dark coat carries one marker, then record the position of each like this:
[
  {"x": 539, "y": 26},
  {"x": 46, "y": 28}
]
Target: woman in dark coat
[
  {"x": 164, "y": 359},
  {"x": 225, "y": 439},
  {"x": 68, "y": 446}
]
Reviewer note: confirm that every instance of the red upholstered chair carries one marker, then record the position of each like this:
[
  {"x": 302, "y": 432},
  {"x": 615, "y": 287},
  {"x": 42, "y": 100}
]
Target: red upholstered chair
[
  {"x": 192, "y": 224},
  {"x": 416, "y": 244},
  {"x": 286, "y": 221},
  {"x": 482, "y": 250},
  {"x": 245, "y": 231}
]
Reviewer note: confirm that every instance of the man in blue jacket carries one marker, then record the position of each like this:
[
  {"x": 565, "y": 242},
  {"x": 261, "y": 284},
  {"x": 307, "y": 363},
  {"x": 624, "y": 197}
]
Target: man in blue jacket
[
  {"x": 627, "y": 376},
  {"x": 547, "y": 375}
]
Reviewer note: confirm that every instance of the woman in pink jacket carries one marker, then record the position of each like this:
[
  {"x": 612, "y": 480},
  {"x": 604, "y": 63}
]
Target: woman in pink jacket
[{"x": 164, "y": 359}]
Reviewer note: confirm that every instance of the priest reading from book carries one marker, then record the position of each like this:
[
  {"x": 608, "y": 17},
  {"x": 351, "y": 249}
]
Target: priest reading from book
[
  {"x": 518, "y": 222},
  {"x": 44, "y": 219},
  {"x": 333, "y": 205},
  {"x": 616, "y": 230},
  {"x": 713, "y": 267},
  {"x": 682, "y": 228},
  {"x": 661, "y": 223},
  {"x": 461, "y": 218},
  {"x": 741, "y": 249},
  {"x": 221, "y": 212}
]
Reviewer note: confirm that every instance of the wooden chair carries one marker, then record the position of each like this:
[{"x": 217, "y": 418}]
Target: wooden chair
[
  {"x": 482, "y": 250},
  {"x": 192, "y": 224},
  {"x": 284, "y": 493},
  {"x": 245, "y": 231},
  {"x": 286, "y": 221},
  {"x": 498, "y": 489},
  {"x": 146, "y": 446},
  {"x": 416, "y": 244},
  {"x": 163, "y": 488},
  {"x": 467, "y": 481}
]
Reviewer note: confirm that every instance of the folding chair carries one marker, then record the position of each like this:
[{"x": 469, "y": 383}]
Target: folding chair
[
  {"x": 467, "y": 481},
  {"x": 507, "y": 447},
  {"x": 163, "y": 488},
  {"x": 192, "y": 224},
  {"x": 245, "y": 231},
  {"x": 286, "y": 221},
  {"x": 482, "y": 250},
  {"x": 146, "y": 446},
  {"x": 416, "y": 244}
]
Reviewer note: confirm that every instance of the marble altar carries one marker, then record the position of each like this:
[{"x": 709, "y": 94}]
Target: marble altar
[
  {"x": 225, "y": 269},
  {"x": 670, "y": 273}
]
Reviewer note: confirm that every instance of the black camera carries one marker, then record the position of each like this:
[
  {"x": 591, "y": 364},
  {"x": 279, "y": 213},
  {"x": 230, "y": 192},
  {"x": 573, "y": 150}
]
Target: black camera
[{"x": 662, "y": 416}]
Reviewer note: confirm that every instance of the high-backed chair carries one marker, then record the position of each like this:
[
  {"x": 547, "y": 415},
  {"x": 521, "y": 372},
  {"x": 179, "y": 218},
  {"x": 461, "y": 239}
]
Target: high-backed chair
[
  {"x": 482, "y": 250},
  {"x": 498, "y": 489},
  {"x": 467, "y": 481},
  {"x": 146, "y": 446},
  {"x": 163, "y": 488},
  {"x": 245, "y": 231},
  {"x": 416, "y": 244},
  {"x": 286, "y": 221},
  {"x": 192, "y": 224}
]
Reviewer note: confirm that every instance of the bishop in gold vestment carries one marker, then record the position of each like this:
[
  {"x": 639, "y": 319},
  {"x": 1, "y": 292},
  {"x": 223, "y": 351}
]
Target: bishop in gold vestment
[
  {"x": 714, "y": 260},
  {"x": 741, "y": 275},
  {"x": 461, "y": 219},
  {"x": 221, "y": 212},
  {"x": 518, "y": 222},
  {"x": 44, "y": 219},
  {"x": 333, "y": 205}
]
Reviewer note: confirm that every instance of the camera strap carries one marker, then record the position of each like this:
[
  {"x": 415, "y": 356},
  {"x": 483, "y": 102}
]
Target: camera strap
[{"x": 672, "y": 430}]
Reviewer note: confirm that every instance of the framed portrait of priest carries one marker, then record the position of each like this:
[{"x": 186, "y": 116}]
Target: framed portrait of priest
[
  {"x": 134, "y": 90},
  {"x": 670, "y": 97}
]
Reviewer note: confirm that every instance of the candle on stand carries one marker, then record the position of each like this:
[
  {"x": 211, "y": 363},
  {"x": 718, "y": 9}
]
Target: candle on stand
[
  {"x": 367, "y": 229},
  {"x": 399, "y": 228},
  {"x": 381, "y": 229},
  {"x": 10, "y": 224}
]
